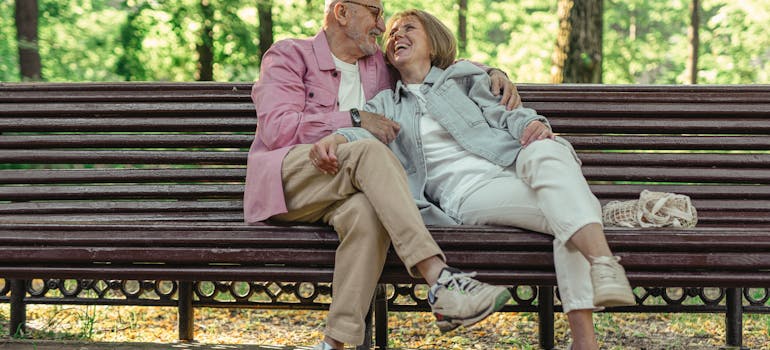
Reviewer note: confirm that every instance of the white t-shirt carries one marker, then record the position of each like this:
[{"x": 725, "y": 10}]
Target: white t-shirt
[
  {"x": 351, "y": 94},
  {"x": 452, "y": 170}
]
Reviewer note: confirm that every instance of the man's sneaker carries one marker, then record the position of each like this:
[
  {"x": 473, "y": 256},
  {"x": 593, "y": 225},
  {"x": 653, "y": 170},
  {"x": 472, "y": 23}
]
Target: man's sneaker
[
  {"x": 611, "y": 287},
  {"x": 457, "y": 299}
]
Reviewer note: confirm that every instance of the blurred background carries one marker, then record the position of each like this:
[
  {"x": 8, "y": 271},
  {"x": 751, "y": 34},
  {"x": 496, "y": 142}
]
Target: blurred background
[{"x": 535, "y": 41}]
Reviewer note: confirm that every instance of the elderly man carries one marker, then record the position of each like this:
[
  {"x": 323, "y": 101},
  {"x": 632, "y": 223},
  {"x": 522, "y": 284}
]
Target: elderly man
[{"x": 307, "y": 90}]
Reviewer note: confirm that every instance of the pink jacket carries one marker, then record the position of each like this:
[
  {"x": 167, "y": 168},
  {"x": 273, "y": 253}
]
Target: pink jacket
[{"x": 296, "y": 103}]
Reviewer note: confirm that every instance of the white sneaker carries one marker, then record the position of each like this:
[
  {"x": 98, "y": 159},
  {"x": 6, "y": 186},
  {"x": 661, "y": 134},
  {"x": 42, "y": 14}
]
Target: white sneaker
[
  {"x": 611, "y": 287},
  {"x": 323, "y": 346},
  {"x": 459, "y": 300}
]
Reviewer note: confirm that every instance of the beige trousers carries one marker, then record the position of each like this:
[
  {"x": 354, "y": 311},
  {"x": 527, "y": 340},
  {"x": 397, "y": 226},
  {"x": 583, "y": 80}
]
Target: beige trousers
[
  {"x": 545, "y": 192},
  {"x": 369, "y": 205}
]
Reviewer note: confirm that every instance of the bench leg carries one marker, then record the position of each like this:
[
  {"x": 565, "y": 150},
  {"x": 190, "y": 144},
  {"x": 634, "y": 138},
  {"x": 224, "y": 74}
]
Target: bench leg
[
  {"x": 545, "y": 316},
  {"x": 186, "y": 312},
  {"x": 734, "y": 319},
  {"x": 17, "y": 328},
  {"x": 381, "y": 317},
  {"x": 367, "y": 345}
]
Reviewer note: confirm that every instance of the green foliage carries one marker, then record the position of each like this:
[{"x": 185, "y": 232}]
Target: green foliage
[
  {"x": 154, "y": 40},
  {"x": 9, "y": 56},
  {"x": 646, "y": 41}
]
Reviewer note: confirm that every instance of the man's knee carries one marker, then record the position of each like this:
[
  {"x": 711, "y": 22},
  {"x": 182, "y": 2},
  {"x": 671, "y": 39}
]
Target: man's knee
[
  {"x": 358, "y": 217},
  {"x": 369, "y": 148}
]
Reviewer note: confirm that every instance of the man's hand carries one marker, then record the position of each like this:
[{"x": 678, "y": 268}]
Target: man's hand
[
  {"x": 501, "y": 83},
  {"x": 323, "y": 154},
  {"x": 381, "y": 127},
  {"x": 536, "y": 130}
]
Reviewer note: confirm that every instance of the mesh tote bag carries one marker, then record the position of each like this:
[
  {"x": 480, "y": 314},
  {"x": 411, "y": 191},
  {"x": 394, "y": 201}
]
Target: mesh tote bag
[{"x": 652, "y": 209}]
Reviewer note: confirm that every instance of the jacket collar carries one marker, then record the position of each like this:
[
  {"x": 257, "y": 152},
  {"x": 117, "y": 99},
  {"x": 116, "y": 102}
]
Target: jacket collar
[
  {"x": 432, "y": 78},
  {"x": 323, "y": 54}
]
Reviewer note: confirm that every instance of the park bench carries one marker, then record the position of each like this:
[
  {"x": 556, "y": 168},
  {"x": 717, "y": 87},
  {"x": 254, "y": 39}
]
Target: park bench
[{"x": 130, "y": 194}]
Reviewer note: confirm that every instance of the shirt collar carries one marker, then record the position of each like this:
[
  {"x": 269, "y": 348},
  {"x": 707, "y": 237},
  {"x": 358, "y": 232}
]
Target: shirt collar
[{"x": 433, "y": 76}]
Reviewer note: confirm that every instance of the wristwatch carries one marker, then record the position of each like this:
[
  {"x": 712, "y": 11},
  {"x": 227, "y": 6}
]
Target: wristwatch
[{"x": 355, "y": 117}]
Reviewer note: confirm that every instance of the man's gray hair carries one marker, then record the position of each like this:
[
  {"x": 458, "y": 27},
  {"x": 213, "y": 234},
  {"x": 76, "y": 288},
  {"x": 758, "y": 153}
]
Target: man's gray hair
[{"x": 328, "y": 5}]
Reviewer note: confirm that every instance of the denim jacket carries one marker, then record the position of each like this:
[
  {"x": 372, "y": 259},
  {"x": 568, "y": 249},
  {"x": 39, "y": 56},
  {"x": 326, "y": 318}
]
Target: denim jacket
[{"x": 460, "y": 100}]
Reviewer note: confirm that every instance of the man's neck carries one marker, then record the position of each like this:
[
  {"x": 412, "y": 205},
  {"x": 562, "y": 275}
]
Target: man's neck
[{"x": 340, "y": 47}]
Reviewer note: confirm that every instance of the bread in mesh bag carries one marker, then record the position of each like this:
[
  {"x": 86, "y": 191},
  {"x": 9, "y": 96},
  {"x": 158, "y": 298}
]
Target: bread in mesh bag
[
  {"x": 652, "y": 209},
  {"x": 659, "y": 209}
]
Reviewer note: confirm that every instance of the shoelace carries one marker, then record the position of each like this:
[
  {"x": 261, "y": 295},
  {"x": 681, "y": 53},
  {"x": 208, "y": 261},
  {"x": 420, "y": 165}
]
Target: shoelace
[
  {"x": 462, "y": 280},
  {"x": 609, "y": 272}
]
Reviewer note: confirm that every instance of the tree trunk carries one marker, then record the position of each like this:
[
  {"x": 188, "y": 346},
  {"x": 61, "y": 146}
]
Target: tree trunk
[
  {"x": 578, "y": 54},
  {"x": 206, "y": 46},
  {"x": 26, "y": 29},
  {"x": 462, "y": 28},
  {"x": 692, "y": 64},
  {"x": 265, "y": 14}
]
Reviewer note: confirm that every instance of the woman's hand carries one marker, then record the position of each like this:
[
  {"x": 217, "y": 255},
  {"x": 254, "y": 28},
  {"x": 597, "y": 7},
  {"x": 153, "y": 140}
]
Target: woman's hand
[
  {"x": 501, "y": 83},
  {"x": 536, "y": 130},
  {"x": 323, "y": 154}
]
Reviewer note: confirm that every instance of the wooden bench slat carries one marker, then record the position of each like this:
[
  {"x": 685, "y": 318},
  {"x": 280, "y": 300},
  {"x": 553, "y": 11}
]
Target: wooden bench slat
[
  {"x": 640, "y": 89},
  {"x": 580, "y": 142},
  {"x": 705, "y": 217},
  {"x": 149, "y": 217},
  {"x": 734, "y": 160},
  {"x": 236, "y": 190},
  {"x": 183, "y": 122},
  {"x": 707, "y": 98},
  {"x": 695, "y": 192},
  {"x": 653, "y": 110},
  {"x": 112, "y": 108},
  {"x": 669, "y": 142},
  {"x": 592, "y": 124},
  {"x": 294, "y": 256},
  {"x": 80, "y": 192},
  {"x": 96, "y": 206},
  {"x": 673, "y": 173},
  {"x": 123, "y": 157},
  {"x": 29, "y": 142},
  {"x": 113, "y": 176},
  {"x": 81, "y": 207}
]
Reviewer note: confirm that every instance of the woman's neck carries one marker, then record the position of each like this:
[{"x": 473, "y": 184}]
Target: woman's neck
[{"x": 414, "y": 74}]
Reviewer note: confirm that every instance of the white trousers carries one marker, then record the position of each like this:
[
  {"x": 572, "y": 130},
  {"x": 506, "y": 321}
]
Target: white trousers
[{"x": 543, "y": 191}]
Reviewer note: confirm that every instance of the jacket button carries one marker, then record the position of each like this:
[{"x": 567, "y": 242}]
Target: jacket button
[{"x": 311, "y": 94}]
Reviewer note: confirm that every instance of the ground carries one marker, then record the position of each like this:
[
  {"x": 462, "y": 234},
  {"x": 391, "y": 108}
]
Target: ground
[{"x": 132, "y": 328}]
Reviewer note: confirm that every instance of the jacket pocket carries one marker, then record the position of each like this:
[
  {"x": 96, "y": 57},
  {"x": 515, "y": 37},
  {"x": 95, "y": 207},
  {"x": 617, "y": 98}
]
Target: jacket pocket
[
  {"x": 319, "y": 99},
  {"x": 456, "y": 106}
]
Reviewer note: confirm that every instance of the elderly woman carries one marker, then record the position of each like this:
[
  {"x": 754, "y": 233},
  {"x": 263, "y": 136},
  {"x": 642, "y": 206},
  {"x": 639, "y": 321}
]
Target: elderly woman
[{"x": 469, "y": 161}]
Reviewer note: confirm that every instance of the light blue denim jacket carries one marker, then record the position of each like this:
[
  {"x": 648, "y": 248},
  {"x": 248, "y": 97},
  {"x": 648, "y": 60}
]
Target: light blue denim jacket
[{"x": 460, "y": 100}]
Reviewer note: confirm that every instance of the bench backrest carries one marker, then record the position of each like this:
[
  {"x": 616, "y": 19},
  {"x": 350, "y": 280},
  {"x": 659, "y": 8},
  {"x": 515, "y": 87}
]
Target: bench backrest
[{"x": 177, "y": 151}]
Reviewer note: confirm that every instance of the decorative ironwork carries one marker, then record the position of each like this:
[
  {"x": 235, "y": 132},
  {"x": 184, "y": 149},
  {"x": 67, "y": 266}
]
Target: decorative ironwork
[{"x": 317, "y": 296}]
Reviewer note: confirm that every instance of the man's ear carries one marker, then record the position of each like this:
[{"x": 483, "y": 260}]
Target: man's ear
[{"x": 341, "y": 13}]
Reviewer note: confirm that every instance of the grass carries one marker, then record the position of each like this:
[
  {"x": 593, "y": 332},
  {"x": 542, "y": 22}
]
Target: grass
[{"x": 407, "y": 330}]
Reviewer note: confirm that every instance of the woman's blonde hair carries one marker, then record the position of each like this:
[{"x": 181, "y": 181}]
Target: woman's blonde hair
[{"x": 443, "y": 46}]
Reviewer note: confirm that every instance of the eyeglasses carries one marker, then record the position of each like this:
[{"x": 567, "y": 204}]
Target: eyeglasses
[{"x": 375, "y": 10}]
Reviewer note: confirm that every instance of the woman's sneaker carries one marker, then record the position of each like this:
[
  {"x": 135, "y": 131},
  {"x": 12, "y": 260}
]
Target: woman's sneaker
[
  {"x": 611, "y": 287},
  {"x": 323, "y": 346},
  {"x": 459, "y": 300}
]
